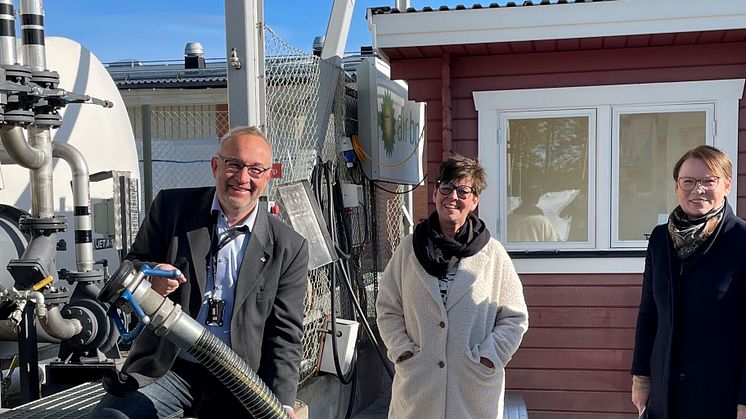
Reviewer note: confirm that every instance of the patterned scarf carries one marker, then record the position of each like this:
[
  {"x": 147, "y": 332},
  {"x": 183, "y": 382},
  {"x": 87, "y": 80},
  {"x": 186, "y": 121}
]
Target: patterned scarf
[
  {"x": 437, "y": 253},
  {"x": 688, "y": 235}
]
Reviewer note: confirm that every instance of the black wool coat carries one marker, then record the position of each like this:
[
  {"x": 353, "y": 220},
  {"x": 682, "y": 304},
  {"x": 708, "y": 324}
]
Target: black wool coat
[{"x": 691, "y": 327}]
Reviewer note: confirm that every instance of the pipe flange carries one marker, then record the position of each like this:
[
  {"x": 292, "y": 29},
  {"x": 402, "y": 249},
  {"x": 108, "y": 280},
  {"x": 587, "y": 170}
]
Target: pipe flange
[
  {"x": 18, "y": 117},
  {"x": 92, "y": 317},
  {"x": 113, "y": 288},
  {"x": 53, "y": 224},
  {"x": 57, "y": 295},
  {"x": 46, "y": 78},
  {"x": 17, "y": 73},
  {"x": 80, "y": 277},
  {"x": 48, "y": 120}
]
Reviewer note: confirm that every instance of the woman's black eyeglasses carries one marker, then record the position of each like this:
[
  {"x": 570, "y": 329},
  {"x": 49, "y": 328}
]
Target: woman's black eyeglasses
[
  {"x": 708, "y": 183},
  {"x": 233, "y": 166},
  {"x": 462, "y": 191}
]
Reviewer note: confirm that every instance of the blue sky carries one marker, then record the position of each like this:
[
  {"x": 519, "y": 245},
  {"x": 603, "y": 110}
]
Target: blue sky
[{"x": 159, "y": 29}]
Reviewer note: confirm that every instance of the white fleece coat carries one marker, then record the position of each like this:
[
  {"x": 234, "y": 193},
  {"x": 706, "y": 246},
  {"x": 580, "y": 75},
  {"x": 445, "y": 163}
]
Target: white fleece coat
[{"x": 485, "y": 316}]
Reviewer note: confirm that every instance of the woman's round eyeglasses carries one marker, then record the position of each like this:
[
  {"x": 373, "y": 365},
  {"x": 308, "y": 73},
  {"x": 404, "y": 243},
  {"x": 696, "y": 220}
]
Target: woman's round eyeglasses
[
  {"x": 689, "y": 183},
  {"x": 462, "y": 191}
]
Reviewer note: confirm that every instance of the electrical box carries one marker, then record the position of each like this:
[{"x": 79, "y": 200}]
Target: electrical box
[
  {"x": 352, "y": 195},
  {"x": 346, "y": 337},
  {"x": 103, "y": 217}
]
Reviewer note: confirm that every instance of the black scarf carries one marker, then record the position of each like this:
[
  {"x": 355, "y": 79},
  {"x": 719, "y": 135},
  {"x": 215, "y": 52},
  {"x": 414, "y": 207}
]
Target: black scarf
[
  {"x": 437, "y": 253},
  {"x": 687, "y": 235}
]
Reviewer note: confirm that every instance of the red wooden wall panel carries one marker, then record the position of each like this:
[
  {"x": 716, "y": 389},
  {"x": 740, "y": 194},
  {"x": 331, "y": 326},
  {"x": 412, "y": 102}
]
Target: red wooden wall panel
[{"x": 575, "y": 359}]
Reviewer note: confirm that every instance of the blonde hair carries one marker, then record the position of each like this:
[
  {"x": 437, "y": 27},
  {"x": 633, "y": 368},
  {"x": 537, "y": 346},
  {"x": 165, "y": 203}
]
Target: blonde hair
[{"x": 713, "y": 158}]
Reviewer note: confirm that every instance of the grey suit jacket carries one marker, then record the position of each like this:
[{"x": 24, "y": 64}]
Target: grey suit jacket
[{"x": 267, "y": 320}]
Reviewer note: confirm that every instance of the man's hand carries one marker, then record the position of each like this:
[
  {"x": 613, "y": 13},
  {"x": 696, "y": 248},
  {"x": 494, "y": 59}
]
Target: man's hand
[
  {"x": 291, "y": 413},
  {"x": 741, "y": 413},
  {"x": 640, "y": 399},
  {"x": 165, "y": 286}
]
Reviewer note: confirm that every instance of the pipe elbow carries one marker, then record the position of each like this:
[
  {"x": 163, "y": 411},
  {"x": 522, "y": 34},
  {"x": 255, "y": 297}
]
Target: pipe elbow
[
  {"x": 55, "y": 325},
  {"x": 19, "y": 149}
]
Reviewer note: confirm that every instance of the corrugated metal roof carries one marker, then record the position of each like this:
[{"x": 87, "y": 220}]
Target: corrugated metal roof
[
  {"x": 510, "y": 4},
  {"x": 138, "y": 76},
  {"x": 153, "y": 77}
]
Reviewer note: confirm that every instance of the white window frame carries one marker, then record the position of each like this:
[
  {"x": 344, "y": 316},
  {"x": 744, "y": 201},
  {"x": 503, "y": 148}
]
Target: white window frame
[
  {"x": 618, "y": 111},
  {"x": 502, "y": 222},
  {"x": 724, "y": 95}
]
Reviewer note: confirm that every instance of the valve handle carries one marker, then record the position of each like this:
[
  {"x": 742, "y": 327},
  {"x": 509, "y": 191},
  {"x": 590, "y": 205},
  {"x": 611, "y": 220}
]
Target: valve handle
[
  {"x": 143, "y": 319},
  {"x": 171, "y": 274}
]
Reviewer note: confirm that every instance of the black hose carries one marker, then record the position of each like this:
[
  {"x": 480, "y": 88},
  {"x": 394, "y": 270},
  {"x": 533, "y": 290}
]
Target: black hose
[
  {"x": 168, "y": 320},
  {"x": 324, "y": 170},
  {"x": 237, "y": 376}
]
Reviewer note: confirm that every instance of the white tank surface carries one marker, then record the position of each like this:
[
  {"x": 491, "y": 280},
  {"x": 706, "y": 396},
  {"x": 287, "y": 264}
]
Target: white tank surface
[{"x": 103, "y": 136}]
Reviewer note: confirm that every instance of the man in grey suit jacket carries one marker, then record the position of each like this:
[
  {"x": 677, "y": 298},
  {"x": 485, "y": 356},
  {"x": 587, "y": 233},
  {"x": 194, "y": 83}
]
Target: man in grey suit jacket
[{"x": 244, "y": 278}]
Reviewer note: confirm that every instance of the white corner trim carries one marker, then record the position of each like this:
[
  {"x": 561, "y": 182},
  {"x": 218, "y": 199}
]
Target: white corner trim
[
  {"x": 555, "y": 21},
  {"x": 559, "y": 265},
  {"x": 618, "y": 94}
]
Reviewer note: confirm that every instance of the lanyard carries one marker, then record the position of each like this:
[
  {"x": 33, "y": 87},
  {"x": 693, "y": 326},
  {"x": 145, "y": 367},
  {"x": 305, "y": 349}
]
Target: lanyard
[{"x": 216, "y": 246}]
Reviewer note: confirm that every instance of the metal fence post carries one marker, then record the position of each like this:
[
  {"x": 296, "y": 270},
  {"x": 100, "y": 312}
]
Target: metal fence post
[{"x": 147, "y": 158}]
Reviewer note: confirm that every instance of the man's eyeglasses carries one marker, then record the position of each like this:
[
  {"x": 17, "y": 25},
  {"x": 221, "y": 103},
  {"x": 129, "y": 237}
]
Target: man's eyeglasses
[
  {"x": 233, "y": 166},
  {"x": 689, "y": 183},
  {"x": 462, "y": 191}
]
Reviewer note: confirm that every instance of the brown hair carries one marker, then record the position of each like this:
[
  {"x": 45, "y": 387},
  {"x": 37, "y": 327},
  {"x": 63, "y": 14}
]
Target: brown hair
[
  {"x": 713, "y": 158},
  {"x": 461, "y": 167}
]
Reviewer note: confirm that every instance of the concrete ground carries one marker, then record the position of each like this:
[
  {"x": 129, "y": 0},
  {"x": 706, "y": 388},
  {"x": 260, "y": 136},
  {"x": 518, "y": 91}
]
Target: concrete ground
[{"x": 378, "y": 409}]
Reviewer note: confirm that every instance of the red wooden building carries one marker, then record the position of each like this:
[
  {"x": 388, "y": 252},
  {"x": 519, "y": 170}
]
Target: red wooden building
[{"x": 583, "y": 107}]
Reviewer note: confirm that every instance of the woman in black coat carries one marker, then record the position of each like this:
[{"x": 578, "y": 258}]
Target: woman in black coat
[{"x": 691, "y": 329}]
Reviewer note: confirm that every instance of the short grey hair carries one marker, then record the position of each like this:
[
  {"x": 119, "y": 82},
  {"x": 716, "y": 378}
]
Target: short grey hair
[{"x": 243, "y": 130}]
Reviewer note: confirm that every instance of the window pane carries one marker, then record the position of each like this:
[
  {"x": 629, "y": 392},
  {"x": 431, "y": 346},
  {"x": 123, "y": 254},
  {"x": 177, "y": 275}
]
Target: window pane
[
  {"x": 649, "y": 146},
  {"x": 548, "y": 179}
]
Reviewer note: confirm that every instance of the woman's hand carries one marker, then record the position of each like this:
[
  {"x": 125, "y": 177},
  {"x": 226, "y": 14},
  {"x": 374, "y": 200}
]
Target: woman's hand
[
  {"x": 403, "y": 357},
  {"x": 486, "y": 362},
  {"x": 640, "y": 399},
  {"x": 741, "y": 413}
]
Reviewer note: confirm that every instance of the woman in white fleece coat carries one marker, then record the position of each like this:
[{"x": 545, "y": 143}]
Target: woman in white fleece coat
[{"x": 450, "y": 308}]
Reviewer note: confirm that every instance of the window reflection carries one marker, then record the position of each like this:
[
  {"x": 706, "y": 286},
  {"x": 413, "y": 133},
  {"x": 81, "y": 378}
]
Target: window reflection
[
  {"x": 649, "y": 145},
  {"x": 548, "y": 179}
]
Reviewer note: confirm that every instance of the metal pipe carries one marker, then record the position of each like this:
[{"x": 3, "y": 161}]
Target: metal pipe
[
  {"x": 34, "y": 55},
  {"x": 55, "y": 325},
  {"x": 19, "y": 150},
  {"x": 7, "y": 33},
  {"x": 9, "y": 331},
  {"x": 41, "y": 249},
  {"x": 81, "y": 201},
  {"x": 32, "y": 31},
  {"x": 5, "y": 157},
  {"x": 10, "y": 327}
]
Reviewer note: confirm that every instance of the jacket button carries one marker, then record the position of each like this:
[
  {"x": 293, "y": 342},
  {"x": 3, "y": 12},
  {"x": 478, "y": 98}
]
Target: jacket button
[
  {"x": 443, "y": 324},
  {"x": 682, "y": 376},
  {"x": 441, "y": 364}
]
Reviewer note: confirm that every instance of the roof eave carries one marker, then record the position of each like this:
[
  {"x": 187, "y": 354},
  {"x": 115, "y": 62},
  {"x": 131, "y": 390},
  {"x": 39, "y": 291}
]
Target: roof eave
[{"x": 555, "y": 21}]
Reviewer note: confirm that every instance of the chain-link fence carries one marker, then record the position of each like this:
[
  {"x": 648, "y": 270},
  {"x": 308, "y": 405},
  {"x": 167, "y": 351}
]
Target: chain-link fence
[{"x": 310, "y": 103}]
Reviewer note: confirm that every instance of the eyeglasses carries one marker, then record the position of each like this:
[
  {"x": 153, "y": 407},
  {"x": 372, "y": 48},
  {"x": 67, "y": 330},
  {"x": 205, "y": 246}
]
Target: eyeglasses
[
  {"x": 462, "y": 191},
  {"x": 689, "y": 183},
  {"x": 234, "y": 166}
]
